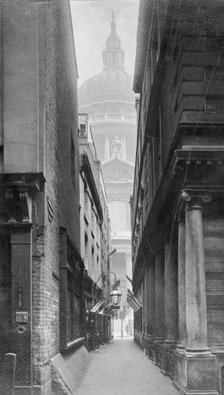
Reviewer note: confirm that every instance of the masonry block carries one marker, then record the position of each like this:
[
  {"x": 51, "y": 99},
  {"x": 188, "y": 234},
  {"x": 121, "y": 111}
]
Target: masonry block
[{"x": 195, "y": 373}]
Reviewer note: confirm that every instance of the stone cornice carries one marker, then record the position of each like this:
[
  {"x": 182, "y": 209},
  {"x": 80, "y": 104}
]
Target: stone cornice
[
  {"x": 16, "y": 200},
  {"x": 178, "y": 165},
  {"x": 177, "y": 178},
  {"x": 24, "y": 182}
]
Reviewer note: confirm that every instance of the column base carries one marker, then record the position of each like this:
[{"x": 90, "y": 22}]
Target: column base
[
  {"x": 183, "y": 391},
  {"x": 168, "y": 342},
  {"x": 168, "y": 359},
  {"x": 158, "y": 340},
  {"x": 149, "y": 349},
  {"x": 180, "y": 346},
  {"x": 44, "y": 389},
  {"x": 22, "y": 390},
  {"x": 193, "y": 351},
  {"x": 158, "y": 352},
  {"x": 195, "y": 373},
  {"x": 180, "y": 350},
  {"x": 149, "y": 337}
]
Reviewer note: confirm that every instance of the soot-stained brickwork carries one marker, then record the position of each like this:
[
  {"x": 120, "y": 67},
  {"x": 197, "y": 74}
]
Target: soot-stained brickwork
[{"x": 39, "y": 188}]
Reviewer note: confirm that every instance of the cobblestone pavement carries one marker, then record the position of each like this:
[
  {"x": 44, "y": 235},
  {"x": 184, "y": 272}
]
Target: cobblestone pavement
[{"x": 122, "y": 368}]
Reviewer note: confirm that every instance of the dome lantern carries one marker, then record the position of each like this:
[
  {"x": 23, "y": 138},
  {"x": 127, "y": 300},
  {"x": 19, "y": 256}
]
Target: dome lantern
[{"x": 113, "y": 56}]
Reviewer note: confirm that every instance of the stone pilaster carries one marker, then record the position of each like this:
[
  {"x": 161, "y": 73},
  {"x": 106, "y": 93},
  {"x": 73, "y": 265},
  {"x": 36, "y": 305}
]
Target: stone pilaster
[
  {"x": 151, "y": 300},
  {"x": 170, "y": 290},
  {"x": 145, "y": 300},
  {"x": 181, "y": 283},
  {"x": 195, "y": 368},
  {"x": 196, "y": 313},
  {"x": 159, "y": 296},
  {"x": 147, "y": 317}
]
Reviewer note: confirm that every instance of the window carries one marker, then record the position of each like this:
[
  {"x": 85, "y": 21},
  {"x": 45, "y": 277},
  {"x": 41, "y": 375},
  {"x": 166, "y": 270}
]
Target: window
[{"x": 83, "y": 121}]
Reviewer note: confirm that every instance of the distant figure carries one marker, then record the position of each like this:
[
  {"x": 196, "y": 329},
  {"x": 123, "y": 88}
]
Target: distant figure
[{"x": 116, "y": 147}]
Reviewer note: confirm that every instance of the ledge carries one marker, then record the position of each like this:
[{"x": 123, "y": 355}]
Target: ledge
[
  {"x": 74, "y": 345},
  {"x": 16, "y": 225},
  {"x": 171, "y": 181},
  {"x": 33, "y": 182},
  {"x": 201, "y": 117}
]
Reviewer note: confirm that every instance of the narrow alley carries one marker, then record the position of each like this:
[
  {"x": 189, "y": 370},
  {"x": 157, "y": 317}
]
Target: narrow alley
[
  {"x": 121, "y": 367},
  {"x": 111, "y": 197}
]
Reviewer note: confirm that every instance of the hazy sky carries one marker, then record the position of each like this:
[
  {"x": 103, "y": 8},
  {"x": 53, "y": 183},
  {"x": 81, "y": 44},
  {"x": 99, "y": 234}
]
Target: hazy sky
[{"x": 91, "y": 22}]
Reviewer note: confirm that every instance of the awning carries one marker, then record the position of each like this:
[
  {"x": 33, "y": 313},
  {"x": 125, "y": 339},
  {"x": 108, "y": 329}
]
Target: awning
[
  {"x": 130, "y": 303},
  {"x": 107, "y": 309},
  {"x": 131, "y": 299},
  {"x": 99, "y": 305}
]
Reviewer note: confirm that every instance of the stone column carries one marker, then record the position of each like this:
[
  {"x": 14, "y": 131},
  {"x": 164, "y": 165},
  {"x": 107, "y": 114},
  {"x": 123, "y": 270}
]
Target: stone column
[
  {"x": 197, "y": 363},
  {"x": 170, "y": 289},
  {"x": 159, "y": 296},
  {"x": 181, "y": 283},
  {"x": 196, "y": 312}
]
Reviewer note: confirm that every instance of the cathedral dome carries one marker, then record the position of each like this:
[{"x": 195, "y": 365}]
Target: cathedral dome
[
  {"x": 109, "y": 85},
  {"x": 109, "y": 101},
  {"x": 112, "y": 85}
]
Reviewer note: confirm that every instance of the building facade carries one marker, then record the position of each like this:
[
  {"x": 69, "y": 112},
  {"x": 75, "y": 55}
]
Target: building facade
[
  {"x": 41, "y": 281},
  {"x": 94, "y": 213},
  {"x": 109, "y": 101},
  {"x": 95, "y": 240},
  {"x": 177, "y": 203}
]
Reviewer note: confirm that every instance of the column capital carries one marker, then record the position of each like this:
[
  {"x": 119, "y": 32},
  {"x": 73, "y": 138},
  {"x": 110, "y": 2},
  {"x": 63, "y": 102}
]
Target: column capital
[{"x": 193, "y": 199}]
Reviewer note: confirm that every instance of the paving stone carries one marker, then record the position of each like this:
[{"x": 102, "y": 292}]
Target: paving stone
[{"x": 122, "y": 368}]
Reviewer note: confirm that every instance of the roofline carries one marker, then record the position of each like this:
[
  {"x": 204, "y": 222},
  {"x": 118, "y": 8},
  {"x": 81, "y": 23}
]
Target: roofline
[
  {"x": 124, "y": 161},
  {"x": 144, "y": 19}
]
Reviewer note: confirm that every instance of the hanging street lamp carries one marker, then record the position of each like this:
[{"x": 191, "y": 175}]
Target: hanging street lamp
[{"x": 115, "y": 295}]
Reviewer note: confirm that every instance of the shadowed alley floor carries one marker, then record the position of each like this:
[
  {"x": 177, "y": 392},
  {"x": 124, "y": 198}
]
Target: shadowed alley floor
[{"x": 121, "y": 368}]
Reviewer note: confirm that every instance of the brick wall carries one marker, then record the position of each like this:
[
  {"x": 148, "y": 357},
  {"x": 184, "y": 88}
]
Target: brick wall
[
  {"x": 5, "y": 294},
  {"x": 40, "y": 116},
  {"x": 58, "y": 206}
]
